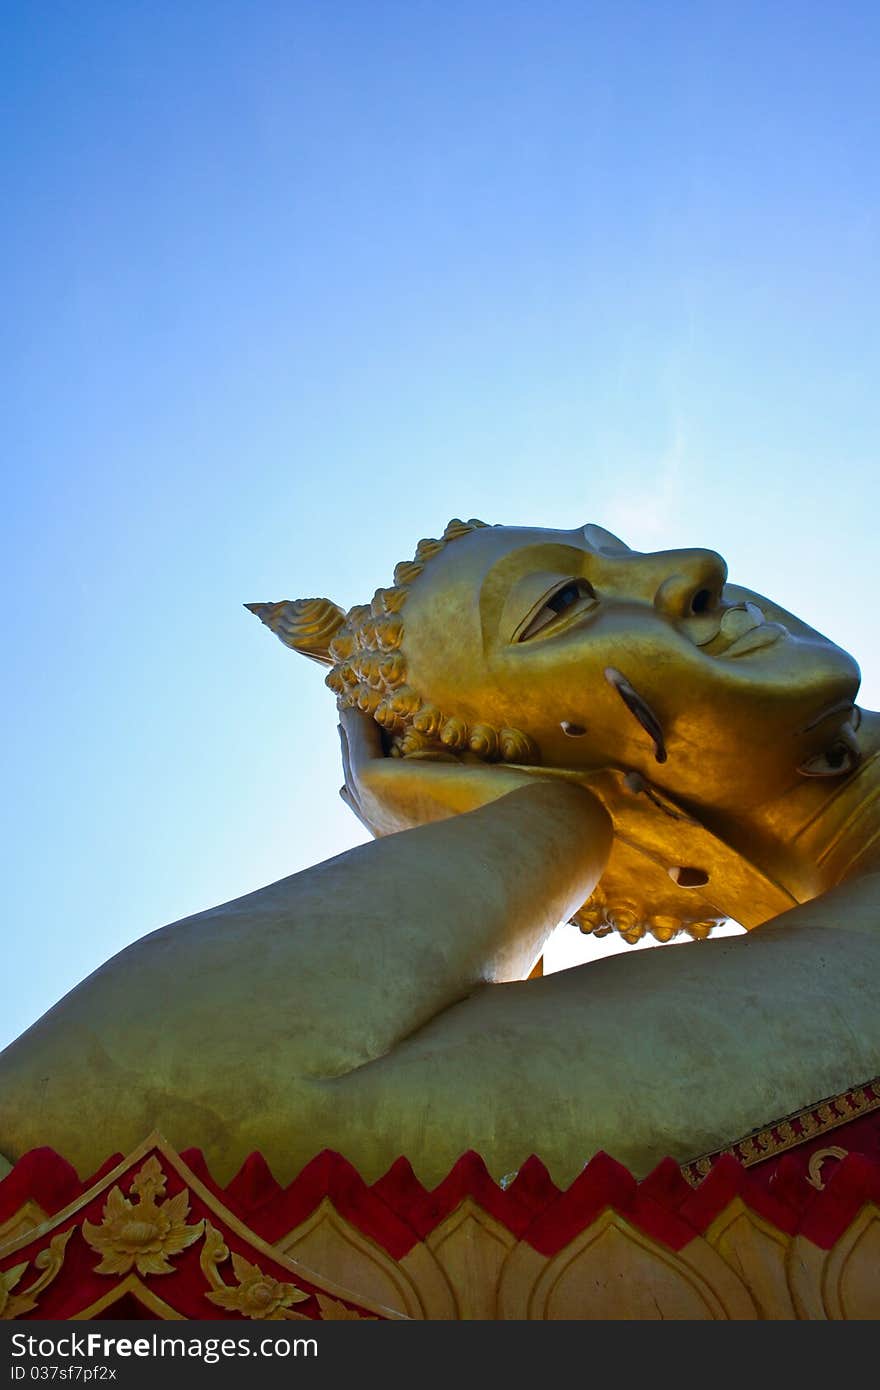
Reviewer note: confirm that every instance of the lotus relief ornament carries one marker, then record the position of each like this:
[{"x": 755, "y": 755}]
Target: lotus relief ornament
[
  {"x": 143, "y": 1233},
  {"x": 257, "y": 1295}
]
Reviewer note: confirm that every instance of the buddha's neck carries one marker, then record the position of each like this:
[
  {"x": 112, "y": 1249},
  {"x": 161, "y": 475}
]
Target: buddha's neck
[{"x": 820, "y": 832}]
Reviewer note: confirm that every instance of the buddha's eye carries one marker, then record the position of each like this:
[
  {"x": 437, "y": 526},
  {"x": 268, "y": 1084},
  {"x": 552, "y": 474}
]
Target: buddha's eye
[{"x": 573, "y": 593}]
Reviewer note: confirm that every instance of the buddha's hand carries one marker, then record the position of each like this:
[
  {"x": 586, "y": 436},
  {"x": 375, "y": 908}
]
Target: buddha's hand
[
  {"x": 635, "y": 895},
  {"x": 391, "y": 794}
]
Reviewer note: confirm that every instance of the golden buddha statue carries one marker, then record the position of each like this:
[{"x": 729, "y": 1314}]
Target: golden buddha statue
[{"x": 537, "y": 726}]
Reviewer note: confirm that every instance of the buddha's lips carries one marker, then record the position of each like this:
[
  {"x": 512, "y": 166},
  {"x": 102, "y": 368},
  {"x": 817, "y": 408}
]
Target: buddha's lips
[{"x": 741, "y": 629}]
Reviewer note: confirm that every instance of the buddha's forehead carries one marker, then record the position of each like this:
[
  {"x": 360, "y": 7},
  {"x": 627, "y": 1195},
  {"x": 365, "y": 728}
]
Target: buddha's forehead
[
  {"x": 458, "y": 575},
  {"x": 454, "y": 579}
]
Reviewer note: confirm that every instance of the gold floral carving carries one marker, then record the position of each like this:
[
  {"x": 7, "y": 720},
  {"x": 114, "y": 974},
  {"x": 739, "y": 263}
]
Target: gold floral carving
[
  {"x": 257, "y": 1295},
  {"x": 814, "y": 1176},
  {"x": 144, "y": 1233},
  {"x": 49, "y": 1261}
]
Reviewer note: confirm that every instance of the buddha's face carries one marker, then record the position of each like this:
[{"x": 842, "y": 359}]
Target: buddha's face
[{"x": 609, "y": 657}]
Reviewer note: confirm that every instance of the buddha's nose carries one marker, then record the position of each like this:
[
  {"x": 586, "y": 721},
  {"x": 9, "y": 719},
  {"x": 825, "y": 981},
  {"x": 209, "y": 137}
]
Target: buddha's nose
[{"x": 689, "y": 582}]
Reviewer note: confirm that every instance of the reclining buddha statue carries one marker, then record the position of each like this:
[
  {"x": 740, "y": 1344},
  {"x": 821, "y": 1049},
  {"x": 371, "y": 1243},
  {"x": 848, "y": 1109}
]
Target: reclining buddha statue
[{"x": 537, "y": 726}]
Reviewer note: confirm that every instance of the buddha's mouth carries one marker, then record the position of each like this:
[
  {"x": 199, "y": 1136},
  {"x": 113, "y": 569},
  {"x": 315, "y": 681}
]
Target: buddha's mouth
[{"x": 740, "y": 630}]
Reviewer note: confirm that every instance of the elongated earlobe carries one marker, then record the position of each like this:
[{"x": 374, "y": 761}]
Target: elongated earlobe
[{"x": 639, "y": 708}]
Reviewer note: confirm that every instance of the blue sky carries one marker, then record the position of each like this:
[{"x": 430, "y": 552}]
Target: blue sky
[{"x": 288, "y": 285}]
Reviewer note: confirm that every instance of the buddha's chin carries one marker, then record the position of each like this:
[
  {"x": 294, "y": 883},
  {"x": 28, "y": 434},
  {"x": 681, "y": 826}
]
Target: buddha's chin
[
  {"x": 803, "y": 674},
  {"x": 831, "y": 686}
]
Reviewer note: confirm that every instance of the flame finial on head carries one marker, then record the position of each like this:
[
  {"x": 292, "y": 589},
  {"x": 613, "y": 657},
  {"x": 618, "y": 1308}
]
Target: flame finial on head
[
  {"x": 364, "y": 649},
  {"x": 308, "y": 625}
]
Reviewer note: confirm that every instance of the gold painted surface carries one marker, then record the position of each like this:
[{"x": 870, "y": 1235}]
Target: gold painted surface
[
  {"x": 581, "y": 731},
  {"x": 839, "y": 1284},
  {"x": 326, "y": 1241},
  {"x": 850, "y": 1283},
  {"x": 519, "y": 1274},
  {"x": 806, "y": 1262},
  {"x": 613, "y": 1271},
  {"x": 430, "y": 1283},
  {"x": 757, "y": 1252},
  {"x": 471, "y": 1247},
  {"x": 414, "y": 1286}
]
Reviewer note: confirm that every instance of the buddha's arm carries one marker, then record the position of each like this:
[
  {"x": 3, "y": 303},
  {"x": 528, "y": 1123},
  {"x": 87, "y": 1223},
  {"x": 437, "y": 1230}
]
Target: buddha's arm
[
  {"x": 674, "y": 1051},
  {"x": 368, "y": 947},
  {"x": 330, "y": 968},
  {"x": 852, "y": 906}
]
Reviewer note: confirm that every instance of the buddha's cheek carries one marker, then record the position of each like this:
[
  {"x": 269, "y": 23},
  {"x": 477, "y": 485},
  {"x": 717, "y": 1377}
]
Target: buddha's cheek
[{"x": 575, "y": 718}]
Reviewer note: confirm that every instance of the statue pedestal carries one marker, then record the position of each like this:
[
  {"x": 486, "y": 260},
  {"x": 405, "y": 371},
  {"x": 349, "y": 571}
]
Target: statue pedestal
[{"x": 785, "y": 1225}]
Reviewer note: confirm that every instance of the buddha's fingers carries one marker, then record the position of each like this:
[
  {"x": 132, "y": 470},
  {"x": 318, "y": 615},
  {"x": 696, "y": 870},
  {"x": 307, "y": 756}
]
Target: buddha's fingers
[
  {"x": 361, "y": 742},
  {"x": 361, "y": 749},
  {"x": 347, "y": 790},
  {"x": 390, "y": 794},
  {"x": 354, "y": 806}
]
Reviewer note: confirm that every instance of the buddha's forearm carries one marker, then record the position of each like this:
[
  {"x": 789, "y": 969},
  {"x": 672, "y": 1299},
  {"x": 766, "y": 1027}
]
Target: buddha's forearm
[
  {"x": 371, "y": 945},
  {"x": 307, "y": 979}
]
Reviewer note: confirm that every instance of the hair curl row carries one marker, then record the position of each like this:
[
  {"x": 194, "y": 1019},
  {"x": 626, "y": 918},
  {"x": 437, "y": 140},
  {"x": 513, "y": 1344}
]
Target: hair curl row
[{"x": 369, "y": 672}]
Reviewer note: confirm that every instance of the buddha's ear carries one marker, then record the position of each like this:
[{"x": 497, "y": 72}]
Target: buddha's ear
[{"x": 308, "y": 625}]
